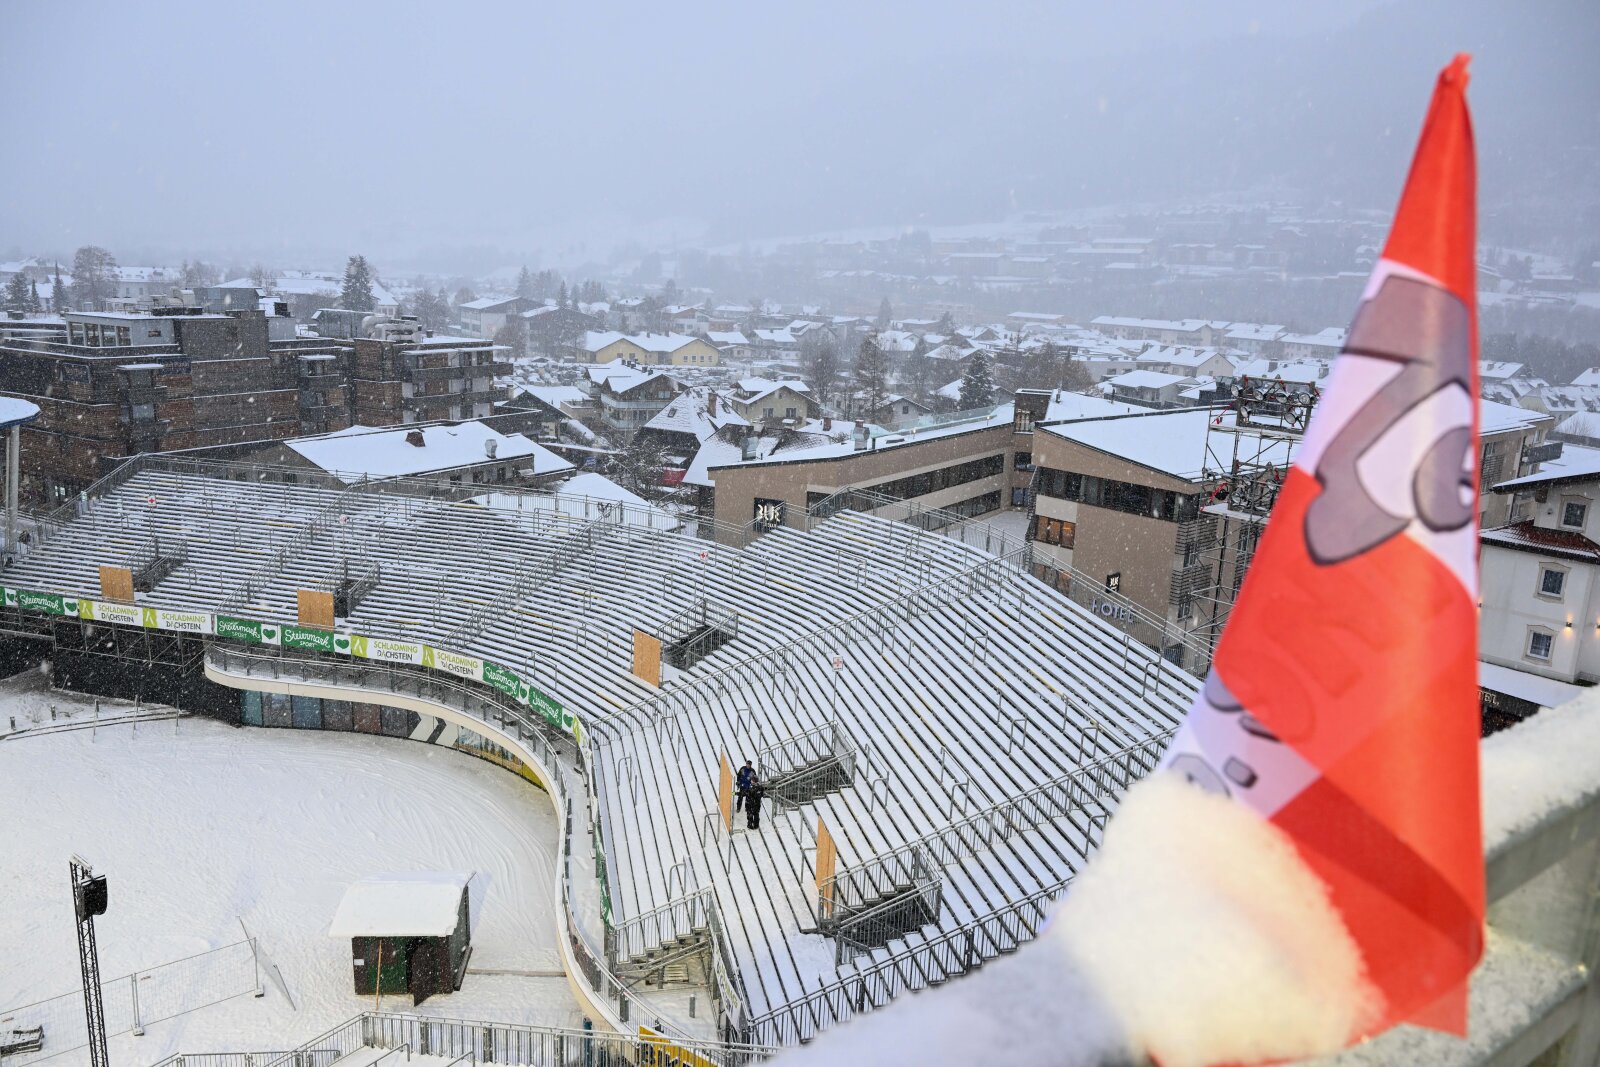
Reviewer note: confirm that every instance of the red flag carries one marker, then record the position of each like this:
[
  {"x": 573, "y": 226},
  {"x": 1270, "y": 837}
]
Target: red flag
[{"x": 1343, "y": 700}]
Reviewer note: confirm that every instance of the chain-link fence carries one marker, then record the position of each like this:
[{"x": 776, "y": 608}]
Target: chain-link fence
[{"x": 136, "y": 1000}]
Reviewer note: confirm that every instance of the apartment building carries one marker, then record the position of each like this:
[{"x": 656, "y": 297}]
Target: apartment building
[
  {"x": 405, "y": 375},
  {"x": 110, "y": 385}
]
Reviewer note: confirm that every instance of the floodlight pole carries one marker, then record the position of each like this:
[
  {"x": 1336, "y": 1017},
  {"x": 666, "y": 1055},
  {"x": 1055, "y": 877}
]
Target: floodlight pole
[{"x": 89, "y": 960}]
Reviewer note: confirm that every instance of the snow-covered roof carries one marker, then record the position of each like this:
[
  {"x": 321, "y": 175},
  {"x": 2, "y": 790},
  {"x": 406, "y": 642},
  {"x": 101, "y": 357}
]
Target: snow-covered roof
[
  {"x": 687, "y": 413},
  {"x": 753, "y": 389},
  {"x": 556, "y": 395},
  {"x": 1304, "y": 372},
  {"x": 484, "y": 303},
  {"x": 1494, "y": 417},
  {"x": 1171, "y": 442},
  {"x": 1590, "y": 376},
  {"x": 362, "y": 451},
  {"x": 1254, "y": 331},
  {"x": 1065, "y": 405},
  {"x": 401, "y": 905},
  {"x": 726, "y": 337},
  {"x": 14, "y": 411},
  {"x": 595, "y": 340},
  {"x": 1147, "y": 379},
  {"x": 1496, "y": 370},
  {"x": 1331, "y": 337}
]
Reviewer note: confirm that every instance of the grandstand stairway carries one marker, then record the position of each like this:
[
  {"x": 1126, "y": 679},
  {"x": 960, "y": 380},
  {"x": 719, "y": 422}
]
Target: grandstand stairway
[{"x": 695, "y": 633}]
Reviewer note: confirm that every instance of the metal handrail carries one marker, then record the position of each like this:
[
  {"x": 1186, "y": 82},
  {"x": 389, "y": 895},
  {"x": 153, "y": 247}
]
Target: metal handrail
[
  {"x": 1060, "y": 796},
  {"x": 950, "y": 953}
]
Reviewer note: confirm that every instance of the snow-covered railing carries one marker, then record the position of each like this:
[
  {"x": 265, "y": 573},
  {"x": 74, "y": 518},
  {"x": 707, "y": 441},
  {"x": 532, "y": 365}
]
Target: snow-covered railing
[
  {"x": 1081, "y": 588},
  {"x": 684, "y": 917},
  {"x": 828, "y": 741},
  {"x": 766, "y": 667},
  {"x": 918, "y": 966},
  {"x": 1080, "y": 789}
]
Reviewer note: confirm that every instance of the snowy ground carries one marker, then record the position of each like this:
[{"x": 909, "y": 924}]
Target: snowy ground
[{"x": 198, "y": 825}]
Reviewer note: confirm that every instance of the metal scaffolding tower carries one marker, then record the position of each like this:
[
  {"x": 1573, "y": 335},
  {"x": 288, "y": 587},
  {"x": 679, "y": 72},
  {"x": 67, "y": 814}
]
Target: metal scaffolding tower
[
  {"x": 89, "y": 900},
  {"x": 1248, "y": 450}
]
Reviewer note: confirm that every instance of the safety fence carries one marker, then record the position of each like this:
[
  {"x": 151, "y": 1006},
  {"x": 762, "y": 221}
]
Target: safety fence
[
  {"x": 471, "y": 1043},
  {"x": 137, "y": 1000},
  {"x": 916, "y": 966}
]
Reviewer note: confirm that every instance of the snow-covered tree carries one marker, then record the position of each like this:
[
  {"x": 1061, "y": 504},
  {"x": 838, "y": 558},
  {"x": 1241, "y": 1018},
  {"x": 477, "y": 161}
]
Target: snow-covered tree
[
  {"x": 885, "y": 314},
  {"x": 916, "y": 374},
  {"x": 525, "y": 283},
  {"x": 821, "y": 360},
  {"x": 94, "y": 277},
  {"x": 34, "y": 304},
  {"x": 977, "y": 387},
  {"x": 58, "y": 293},
  {"x": 871, "y": 375},
  {"x": 356, "y": 293},
  {"x": 16, "y": 297},
  {"x": 563, "y": 298}
]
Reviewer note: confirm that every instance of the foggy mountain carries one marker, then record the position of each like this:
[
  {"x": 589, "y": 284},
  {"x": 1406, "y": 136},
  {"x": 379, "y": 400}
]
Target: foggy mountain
[{"x": 469, "y": 137}]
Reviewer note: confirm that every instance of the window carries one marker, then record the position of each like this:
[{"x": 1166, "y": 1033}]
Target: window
[
  {"x": 905, "y": 409},
  {"x": 1019, "y": 496},
  {"x": 1551, "y": 581},
  {"x": 1114, "y": 582},
  {"x": 789, "y": 413},
  {"x": 1540, "y": 644},
  {"x": 142, "y": 411},
  {"x": 1054, "y": 531},
  {"x": 1573, "y": 513},
  {"x": 767, "y": 412},
  {"x": 1024, "y": 461}
]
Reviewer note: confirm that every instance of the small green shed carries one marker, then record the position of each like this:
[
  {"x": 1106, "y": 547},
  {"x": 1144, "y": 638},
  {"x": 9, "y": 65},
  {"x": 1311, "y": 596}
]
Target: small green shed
[{"x": 409, "y": 933}]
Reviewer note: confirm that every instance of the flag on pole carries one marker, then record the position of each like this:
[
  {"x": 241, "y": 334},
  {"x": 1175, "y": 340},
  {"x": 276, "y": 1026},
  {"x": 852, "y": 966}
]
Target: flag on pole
[{"x": 1342, "y": 702}]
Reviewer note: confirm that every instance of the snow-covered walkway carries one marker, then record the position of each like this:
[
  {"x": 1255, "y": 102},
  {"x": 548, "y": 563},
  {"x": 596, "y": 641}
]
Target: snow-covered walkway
[{"x": 199, "y": 825}]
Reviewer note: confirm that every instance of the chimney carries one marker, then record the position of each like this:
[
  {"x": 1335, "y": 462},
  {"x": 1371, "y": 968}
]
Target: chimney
[
  {"x": 489, "y": 446},
  {"x": 748, "y": 445},
  {"x": 711, "y": 405},
  {"x": 414, "y": 438},
  {"x": 827, "y": 423},
  {"x": 861, "y": 435}
]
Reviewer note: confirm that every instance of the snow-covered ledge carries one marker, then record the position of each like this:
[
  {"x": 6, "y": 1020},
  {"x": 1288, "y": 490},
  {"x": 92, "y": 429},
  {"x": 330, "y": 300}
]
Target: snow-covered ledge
[{"x": 1050, "y": 1004}]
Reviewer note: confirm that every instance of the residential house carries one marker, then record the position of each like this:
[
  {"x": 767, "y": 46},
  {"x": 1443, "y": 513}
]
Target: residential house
[
  {"x": 488, "y": 315},
  {"x": 764, "y": 402},
  {"x": 650, "y": 349},
  {"x": 627, "y": 396}
]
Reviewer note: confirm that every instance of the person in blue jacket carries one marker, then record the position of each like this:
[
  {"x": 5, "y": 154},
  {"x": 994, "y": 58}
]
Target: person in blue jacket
[{"x": 743, "y": 781}]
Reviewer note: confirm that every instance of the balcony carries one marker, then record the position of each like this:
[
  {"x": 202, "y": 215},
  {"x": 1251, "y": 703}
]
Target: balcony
[
  {"x": 472, "y": 396},
  {"x": 498, "y": 369}
]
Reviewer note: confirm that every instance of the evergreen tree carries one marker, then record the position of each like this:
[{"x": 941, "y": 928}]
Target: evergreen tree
[
  {"x": 17, "y": 293},
  {"x": 58, "y": 293},
  {"x": 94, "y": 278},
  {"x": 670, "y": 294},
  {"x": 885, "y": 314},
  {"x": 34, "y": 306},
  {"x": 977, "y": 388},
  {"x": 871, "y": 377},
  {"x": 946, "y": 325},
  {"x": 563, "y": 298},
  {"x": 525, "y": 284},
  {"x": 642, "y": 465},
  {"x": 356, "y": 293},
  {"x": 465, "y": 296}
]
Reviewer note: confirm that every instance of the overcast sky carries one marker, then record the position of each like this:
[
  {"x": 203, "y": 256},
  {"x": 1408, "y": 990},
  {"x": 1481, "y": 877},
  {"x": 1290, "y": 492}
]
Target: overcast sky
[{"x": 295, "y": 132}]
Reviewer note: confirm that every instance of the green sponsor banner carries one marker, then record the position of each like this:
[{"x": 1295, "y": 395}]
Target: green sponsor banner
[
  {"x": 307, "y": 639},
  {"x": 105, "y": 611},
  {"x": 469, "y": 667},
  {"x": 384, "y": 650},
  {"x": 10, "y": 596},
  {"x": 501, "y": 679},
  {"x": 190, "y": 622},
  {"x": 49, "y": 603},
  {"x": 259, "y": 633}
]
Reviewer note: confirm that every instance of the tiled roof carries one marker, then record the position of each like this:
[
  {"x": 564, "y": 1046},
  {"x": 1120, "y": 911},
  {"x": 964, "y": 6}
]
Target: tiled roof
[{"x": 1526, "y": 537}]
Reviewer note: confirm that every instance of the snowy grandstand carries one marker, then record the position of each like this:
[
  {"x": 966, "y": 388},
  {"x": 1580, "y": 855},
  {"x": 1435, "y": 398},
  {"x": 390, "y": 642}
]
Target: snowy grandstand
[{"x": 941, "y": 735}]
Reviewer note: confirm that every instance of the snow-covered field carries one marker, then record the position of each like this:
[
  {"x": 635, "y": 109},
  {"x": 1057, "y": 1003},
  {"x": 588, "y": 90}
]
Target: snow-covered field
[{"x": 200, "y": 825}]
